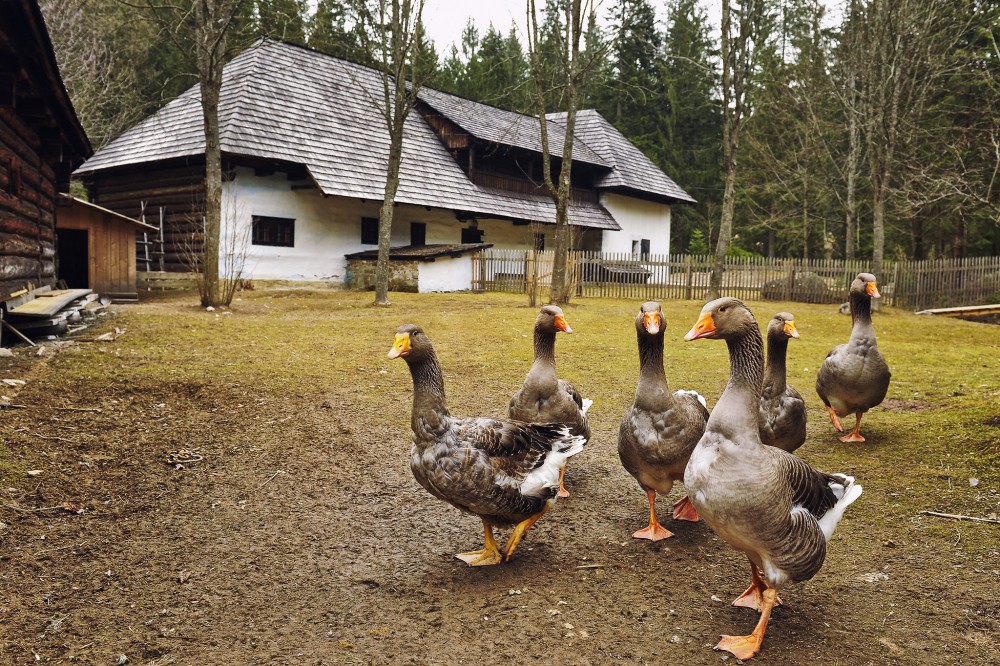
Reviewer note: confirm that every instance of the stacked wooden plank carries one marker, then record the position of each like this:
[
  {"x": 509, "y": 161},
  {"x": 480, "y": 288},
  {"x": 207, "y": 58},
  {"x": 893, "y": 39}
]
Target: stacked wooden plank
[{"x": 50, "y": 313}]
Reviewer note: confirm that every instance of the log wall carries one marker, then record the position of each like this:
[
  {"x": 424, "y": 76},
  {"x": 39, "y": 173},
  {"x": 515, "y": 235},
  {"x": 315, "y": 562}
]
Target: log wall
[
  {"x": 179, "y": 190},
  {"x": 27, "y": 209}
]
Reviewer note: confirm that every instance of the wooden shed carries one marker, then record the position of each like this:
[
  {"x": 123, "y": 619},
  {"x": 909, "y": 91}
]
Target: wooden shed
[
  {"x": 95, "y": 248},
  {"x": 41, "y": 142}
]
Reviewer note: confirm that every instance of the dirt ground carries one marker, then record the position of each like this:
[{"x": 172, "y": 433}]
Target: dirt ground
[{"x": 297, "y": 534}]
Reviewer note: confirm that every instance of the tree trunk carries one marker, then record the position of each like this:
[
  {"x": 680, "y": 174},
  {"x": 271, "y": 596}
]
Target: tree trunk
[
  {"x": 210, "y": 64},
  {"x": 385, "y": 219},
  {"x": 725, "y": 233},
  {"x": 853, "y": 158},
  {"x": 878, "y": 225}
]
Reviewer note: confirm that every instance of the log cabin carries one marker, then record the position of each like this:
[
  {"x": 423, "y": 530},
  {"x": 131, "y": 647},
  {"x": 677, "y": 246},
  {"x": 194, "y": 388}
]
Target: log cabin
[{"x": 41, "y": 142}]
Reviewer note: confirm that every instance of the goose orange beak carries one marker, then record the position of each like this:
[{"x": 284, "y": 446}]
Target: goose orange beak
[
  {"x": 703, "y": 328},
  {"x": 790, "y": 329},
  {"x": 401, "y": 346},
  {"x": 561, "y": 324},
  {"x": 652, "y": 322},
  {"x": 872, "y": 289}
]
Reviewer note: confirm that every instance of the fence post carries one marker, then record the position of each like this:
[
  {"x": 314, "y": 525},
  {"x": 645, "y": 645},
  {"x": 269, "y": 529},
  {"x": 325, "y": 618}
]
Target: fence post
[
  {"x": 895, "y": 284},
  {"x": 690, "y": 277}
]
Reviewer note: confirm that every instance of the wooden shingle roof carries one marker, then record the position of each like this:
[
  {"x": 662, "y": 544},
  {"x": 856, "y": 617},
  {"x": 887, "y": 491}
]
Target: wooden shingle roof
[
  {"x": 631, "y": 170},
  {"x": 291, "y": 104},
  {"x": 507, "y": 128}
]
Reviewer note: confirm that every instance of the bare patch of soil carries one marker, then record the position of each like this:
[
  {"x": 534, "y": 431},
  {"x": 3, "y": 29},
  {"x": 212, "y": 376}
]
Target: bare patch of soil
[{"x": 299, "y": 536}]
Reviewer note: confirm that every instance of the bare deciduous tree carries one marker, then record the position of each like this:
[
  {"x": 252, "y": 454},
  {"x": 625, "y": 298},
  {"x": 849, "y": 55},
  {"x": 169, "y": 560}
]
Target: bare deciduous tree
[
  {"x": 901, "y": 65},
  {"x": 201, "y": 31},
  {"x": 741, "y": 46},
  {"x": 390, "y": 35},
  {"x": 573, "y": 67}
]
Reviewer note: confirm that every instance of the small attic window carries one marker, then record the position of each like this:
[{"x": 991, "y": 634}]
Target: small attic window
[{"x": 273, "y": 231}]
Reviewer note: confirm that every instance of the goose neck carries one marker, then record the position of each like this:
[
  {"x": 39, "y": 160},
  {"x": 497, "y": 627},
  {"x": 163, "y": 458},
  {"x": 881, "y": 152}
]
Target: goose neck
[
  {"x": 428, "y": 391},
  {"x": 736, "y": 411},
  {"x": 775, "y": 370},
  {"x": 651, "y": 360},
  {"x": 861, "y": 309},
  {"x": 746, "y": 361}
]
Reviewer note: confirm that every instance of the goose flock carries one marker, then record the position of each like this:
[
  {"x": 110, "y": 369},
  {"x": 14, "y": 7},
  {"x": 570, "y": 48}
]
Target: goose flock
[{"x": 736, "y": 462}]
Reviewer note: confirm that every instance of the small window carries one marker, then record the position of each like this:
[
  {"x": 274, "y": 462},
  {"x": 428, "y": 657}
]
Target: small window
[
  {"x": 472, "y": 235},
  {"x": 369, "y": 231},
  {"x": 418, "y": 233},
  {"x": 640, "y": 249},
  {"x": 540, "y": 242},
  {"x": 275, "y": 231}
]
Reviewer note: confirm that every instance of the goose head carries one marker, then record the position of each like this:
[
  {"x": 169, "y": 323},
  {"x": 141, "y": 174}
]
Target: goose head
[
  {"x": 411, "y": 344},
  {"x": 865, "y": 284},
  {"x": 650, "y": 320},
  {"x": 782, "y": 326},
  {"x": 551, "y": 319},
  {"x": 723, "y": 318}
]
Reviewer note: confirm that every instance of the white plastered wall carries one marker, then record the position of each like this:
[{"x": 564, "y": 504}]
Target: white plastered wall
[
  {"x": 327, "y": 228},
  {"x": 638, "y": 219},
  {"x": 445, "y": 274}
]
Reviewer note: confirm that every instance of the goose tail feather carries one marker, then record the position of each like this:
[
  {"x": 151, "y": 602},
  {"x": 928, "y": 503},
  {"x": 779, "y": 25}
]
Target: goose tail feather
[{"x": 847, "y": 491}]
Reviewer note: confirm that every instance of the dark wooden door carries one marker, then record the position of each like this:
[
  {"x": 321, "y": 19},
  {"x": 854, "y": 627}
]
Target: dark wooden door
[{"x": 73, "y": 258}]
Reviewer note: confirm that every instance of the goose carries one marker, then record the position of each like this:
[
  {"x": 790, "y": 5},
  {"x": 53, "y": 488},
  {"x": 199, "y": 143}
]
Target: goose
[
  {"x": 503, "y": 471},
  {"x": 855, "y": 377},
  {"x": 544, "y": 398},
  {"x": 782, "y": 413},
  {"x": 765, "y": 502},
  {"x": 660, "y": 429}
]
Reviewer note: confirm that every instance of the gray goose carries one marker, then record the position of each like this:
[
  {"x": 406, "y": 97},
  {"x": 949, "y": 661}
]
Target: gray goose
[
  {"x": 659, "y": 431},
  {"x": 763, "y": 501},
  {"x": 505, "y": 472},
  {"x": 855, "y": 377},
  {"x": 544, "y": 398},
  {"x": 782, "y": 413}
]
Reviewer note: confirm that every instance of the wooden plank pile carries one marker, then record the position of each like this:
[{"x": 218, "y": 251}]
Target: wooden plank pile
[{"x": 45, "y": 314}]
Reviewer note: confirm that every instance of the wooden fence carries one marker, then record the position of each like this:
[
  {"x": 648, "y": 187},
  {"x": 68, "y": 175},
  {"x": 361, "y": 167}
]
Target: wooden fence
[{"x": 908, "y": 284}]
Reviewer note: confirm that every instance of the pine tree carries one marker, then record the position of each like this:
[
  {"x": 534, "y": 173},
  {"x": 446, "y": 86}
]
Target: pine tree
[
  {"x": 693, "y": 119},
  {"x": 633, "y": 97},
  {"x": 282, "y": 19},
  {"x": 333, "y": 29}
]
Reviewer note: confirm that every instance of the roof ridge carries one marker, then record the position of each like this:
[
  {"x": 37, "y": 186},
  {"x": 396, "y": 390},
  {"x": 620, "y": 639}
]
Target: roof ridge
[{"x": 242, "y": 85}]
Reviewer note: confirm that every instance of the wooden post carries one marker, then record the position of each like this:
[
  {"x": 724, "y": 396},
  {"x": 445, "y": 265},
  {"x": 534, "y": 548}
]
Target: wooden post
[
  {"x": 162, "y": 243},
  {"x": 895, "y": 284},
  {"x": 689, "y": 292}
]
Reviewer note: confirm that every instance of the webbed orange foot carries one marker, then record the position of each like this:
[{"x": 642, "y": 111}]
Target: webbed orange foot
[
  {"x": 742, "y": 647},
  {"x": 655, "y": 532},
  {"x": 480, "y": 558},
  {"x": 684, "y": 510}
]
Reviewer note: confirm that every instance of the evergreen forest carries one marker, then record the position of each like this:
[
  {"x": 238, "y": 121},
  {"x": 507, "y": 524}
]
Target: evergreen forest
[{"x": 865, "y": 106}]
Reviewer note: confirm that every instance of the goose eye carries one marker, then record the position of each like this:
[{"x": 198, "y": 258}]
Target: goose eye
[{"x": 722, "y": 309}]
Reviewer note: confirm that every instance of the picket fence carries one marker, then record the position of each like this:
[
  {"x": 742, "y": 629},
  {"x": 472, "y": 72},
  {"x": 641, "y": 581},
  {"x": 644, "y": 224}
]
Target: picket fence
[{"x": 907, "y": 284}]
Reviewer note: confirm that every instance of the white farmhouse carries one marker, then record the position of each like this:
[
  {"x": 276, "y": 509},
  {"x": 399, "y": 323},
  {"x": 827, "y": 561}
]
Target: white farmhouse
[{"x": 304, "y": 151}]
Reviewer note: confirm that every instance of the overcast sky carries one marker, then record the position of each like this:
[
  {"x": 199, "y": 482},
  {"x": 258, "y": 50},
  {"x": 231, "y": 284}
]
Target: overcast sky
[{"x": 445, "y": 19}]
